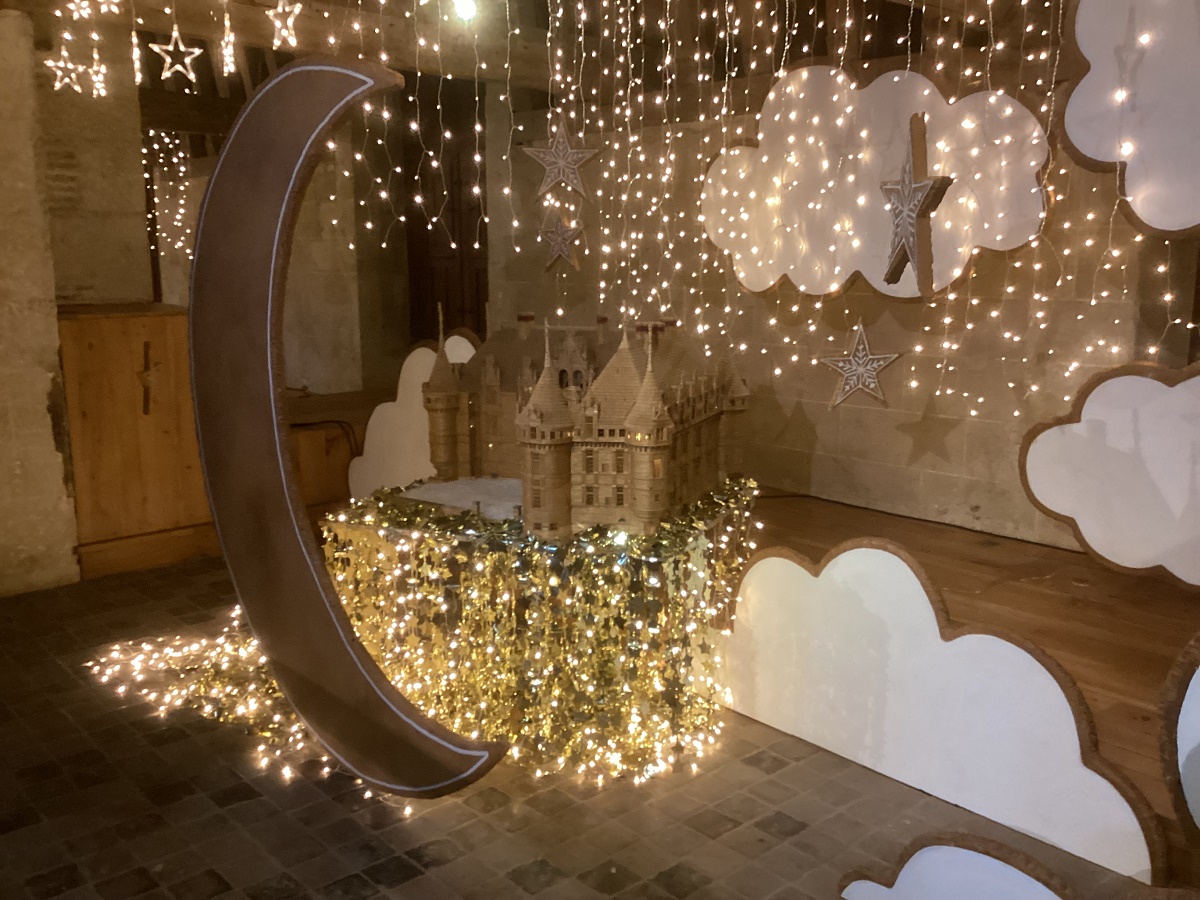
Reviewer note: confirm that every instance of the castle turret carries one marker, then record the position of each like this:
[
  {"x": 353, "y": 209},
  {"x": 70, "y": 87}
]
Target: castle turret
[
  {"x": 649, "y": 431},
  {"x": 544, "y": 429},
  {"x": 734, "y": 398},
  {"x": 441, "y": 397}
]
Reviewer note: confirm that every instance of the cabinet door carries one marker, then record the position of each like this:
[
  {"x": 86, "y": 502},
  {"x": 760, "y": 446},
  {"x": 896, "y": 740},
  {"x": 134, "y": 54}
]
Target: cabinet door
[{"x": 133, "y": 440}]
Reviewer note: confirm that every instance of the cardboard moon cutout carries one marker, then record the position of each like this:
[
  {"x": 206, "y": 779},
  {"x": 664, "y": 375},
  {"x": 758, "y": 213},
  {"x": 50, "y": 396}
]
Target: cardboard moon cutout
[{"x": 241, "y": 255}]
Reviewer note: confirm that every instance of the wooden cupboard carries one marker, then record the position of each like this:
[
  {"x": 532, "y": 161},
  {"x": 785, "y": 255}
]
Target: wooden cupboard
[{"x": 140, "y": 500}]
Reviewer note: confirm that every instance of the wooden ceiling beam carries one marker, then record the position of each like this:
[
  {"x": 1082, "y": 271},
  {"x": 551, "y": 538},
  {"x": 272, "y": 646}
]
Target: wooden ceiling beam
[{"x": 397, "y": 33}]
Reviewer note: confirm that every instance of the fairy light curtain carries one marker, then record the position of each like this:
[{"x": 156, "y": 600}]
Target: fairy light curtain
[{"x": 661, "y": 89}]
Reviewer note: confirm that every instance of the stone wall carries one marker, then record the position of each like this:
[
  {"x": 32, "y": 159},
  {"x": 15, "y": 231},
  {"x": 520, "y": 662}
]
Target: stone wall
[
  {"x": 90, "y": 157},
  {"x": 37, "y": 519},
  {"x": 934, "y": 450}
]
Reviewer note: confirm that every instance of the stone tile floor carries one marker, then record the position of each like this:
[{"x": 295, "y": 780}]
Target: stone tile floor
[{"x": 101, "y": 798}]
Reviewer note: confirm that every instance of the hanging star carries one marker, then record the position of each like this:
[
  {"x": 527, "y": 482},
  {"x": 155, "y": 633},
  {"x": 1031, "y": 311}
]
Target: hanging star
[
  {"x": 562, "y": 161},
  {"x": 66, "y": 72},
  {"x": 910, "y": 201},
  {"x": 562, "y": 237},
  {"x": 859, "y": 368},
  {"x": 928, "y": 434},
  {"x": 177, "y": 57},
  {"x": 283, "y": 17}
]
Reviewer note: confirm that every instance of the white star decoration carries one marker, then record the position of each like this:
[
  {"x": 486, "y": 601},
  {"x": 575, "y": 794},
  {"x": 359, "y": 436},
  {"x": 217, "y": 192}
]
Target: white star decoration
[
  {"x": 66, "y": 72},
  {"x": 859, "y": 368},
  {"x": 177, "y": 57},
  {"x": 283, "y": 17},
  {"x": 562, "y": 237},
  {"x": 910, "y": 201},
  {"x": 562, "y": 161}
]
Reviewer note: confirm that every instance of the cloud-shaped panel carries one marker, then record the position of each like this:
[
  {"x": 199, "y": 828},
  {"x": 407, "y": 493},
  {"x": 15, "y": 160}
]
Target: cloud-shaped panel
[
  {"x": 806, "y": 202},
  {"x": 1138, "y": 104},
  {"x": 396, "y": 445},
  {"x": 948, "y": 872},
  {"x": 853, "y": 659},
  {"x": 1125, "y": 471}
]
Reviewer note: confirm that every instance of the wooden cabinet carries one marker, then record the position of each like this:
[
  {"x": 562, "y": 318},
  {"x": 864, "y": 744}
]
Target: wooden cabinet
[{"x": 140, "y": 499}]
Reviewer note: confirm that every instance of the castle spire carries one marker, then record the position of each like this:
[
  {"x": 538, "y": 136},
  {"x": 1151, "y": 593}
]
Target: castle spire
[
  {"x": 546, "y": 332},
  {"x": 441, "y": 328}
]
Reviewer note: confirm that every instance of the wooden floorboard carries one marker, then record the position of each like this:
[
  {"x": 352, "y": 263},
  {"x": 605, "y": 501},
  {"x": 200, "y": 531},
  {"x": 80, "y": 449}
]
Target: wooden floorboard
[{"x": 1116, "y": 634}]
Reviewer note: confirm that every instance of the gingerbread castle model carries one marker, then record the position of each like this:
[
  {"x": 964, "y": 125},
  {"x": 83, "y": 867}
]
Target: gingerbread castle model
[{"x": 612, "y": 431}]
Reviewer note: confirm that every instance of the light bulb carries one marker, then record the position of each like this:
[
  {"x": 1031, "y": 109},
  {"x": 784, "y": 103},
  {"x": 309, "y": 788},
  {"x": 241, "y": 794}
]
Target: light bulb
[{"x": 465, "y": 9}]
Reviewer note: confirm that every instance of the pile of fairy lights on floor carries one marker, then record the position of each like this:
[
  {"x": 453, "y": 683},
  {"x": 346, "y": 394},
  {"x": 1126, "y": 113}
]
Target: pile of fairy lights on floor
[{"x": 596, "y": 655}]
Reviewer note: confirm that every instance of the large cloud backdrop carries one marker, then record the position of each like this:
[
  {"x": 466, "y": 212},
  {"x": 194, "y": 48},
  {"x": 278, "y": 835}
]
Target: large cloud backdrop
[
  {"x": 1126, "y": 471},
  {"x": 853, "y": 660},
  {"x": 806, "y": 203},
  {"x": 1139, "y": 103}
]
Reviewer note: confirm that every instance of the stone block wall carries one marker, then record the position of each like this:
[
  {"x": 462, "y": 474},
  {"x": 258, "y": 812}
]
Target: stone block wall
[{"x": 37, "y": 518}]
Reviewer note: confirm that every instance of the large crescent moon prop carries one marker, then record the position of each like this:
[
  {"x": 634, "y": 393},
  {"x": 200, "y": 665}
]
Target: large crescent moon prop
[{"x": 241, "y": 256}]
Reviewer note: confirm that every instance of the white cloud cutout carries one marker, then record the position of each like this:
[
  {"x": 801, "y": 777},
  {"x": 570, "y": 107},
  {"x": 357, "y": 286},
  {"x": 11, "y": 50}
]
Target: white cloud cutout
[
  {"x": 806, "y": 203},
  {"x": 853, "y": 660},
  {"x": 1128, "y": 473},
  {"x": 396, "y": 445},
  {"x": 1139, "y": 103},
  {"x": 942, "y": 872}
]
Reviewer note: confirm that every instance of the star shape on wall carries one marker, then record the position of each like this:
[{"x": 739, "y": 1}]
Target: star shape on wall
[
  {"x": 911, "y": 199},
  {"x": 283, "y": 17},
  {"x": 928, "y": 433},
  {"x": 177, "y": 57},
  {"x": 562, "y": 237},
  {"x": 66, "y": 72},
  {"x": 562, "y": 161},
  {"x": 859, "y": 368}
]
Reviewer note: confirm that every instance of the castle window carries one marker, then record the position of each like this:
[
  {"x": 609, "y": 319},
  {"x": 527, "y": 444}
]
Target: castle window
[
  {"x": 620, "y": 496},
  {"x": 589, "y": 461},
  {"x": 533, "y": 432},
  {"x": 589, "y": 496},
  {"x": 620, "y": 461},
  {"x": 577, "y": 378},
  {"x": 537, "y": 498},
  {"x": 563, "y": 379},
  {"x": 535, "y": 464},
  {"x": 658, "y": 467},
  {"x": 622, "y": 432}
]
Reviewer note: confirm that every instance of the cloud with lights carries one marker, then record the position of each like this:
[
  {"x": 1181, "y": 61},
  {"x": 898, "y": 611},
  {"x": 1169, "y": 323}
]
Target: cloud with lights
[
  {"x": 1138, "y": 104},
  {"x": 1124, "y": 469},
  {"x": 806, "y": 203}
]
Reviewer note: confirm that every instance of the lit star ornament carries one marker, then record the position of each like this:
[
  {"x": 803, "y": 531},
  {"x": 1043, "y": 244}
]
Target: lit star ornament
[
  {"x": 562, "y": 161},
  {"x": 859, "y": 368},
  {"x": 177, "y": 57},
  {"x": 66, "y": 72},
  {"x": 562, "y": 237},
  {"x": 283, "y": 17},
  {"x": 911, "y": 200}
]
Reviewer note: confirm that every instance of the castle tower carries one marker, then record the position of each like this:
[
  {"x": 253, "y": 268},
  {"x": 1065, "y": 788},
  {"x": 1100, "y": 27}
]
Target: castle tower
[
  {"x": 734, "y": 398},
  {"x": 649, "y": 433},
  {"x": 545, "y": 433},
  {"x": 441, "y": 398}
]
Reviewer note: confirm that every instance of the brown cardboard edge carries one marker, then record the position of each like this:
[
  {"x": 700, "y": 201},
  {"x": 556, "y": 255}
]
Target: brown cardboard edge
[
  {"x": 1022, "y": 862},
  {"x": 1174, "y": 690},
  {"x": 1161, "y": 374},
  {"x": 1085, "y": 723}
]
